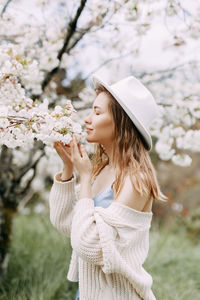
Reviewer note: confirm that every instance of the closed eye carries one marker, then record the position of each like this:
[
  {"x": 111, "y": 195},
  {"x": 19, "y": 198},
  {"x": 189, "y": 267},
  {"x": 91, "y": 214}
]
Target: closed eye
[{"x": 96, "y": 113}]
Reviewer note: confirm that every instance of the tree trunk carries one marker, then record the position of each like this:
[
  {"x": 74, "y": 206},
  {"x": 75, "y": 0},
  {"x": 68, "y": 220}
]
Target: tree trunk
[
  {"x": 6, "y": 220},
  {"x": 12, "y": 193}
]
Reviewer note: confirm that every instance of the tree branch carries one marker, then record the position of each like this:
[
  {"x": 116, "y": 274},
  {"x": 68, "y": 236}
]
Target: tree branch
[
  {"x": 70, "y": 31},
  {"x": 5, "y": 159},
  {"x": 77, "y": 40},
  {"x": 25, "y": 200},
  {"x": 23, "y": 191},
  {"x": 164, "y": 71},
  {"x": 5, "y": 7},
  {"x": 29, "y": 164}
]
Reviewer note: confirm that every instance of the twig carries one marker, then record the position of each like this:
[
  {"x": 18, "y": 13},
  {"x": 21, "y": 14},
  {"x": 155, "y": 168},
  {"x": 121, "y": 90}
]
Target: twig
[
  {"x": 106, "y": 62},
  {"x": 143, "y": 74},
  {"x": 25, "y": 200},
  {"x": 5, "y": 7}
]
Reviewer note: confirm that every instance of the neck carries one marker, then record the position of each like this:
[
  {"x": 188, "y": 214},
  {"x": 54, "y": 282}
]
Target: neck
[{"x": 108, "y": 150}]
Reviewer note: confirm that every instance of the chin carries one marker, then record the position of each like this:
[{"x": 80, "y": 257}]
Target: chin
[{"x": 91, "y": 140}]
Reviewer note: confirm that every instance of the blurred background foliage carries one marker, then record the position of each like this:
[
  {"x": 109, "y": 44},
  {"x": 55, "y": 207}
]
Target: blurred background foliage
[{"x": 40, "y": 256}]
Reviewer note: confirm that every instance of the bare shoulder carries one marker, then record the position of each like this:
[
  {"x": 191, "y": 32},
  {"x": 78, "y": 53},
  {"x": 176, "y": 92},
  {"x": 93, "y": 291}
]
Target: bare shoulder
[{"x": 130, "y": 197}]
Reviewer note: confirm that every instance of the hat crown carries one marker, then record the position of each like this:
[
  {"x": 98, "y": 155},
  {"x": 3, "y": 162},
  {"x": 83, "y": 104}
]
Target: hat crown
[{"x": 138, "y": 99}]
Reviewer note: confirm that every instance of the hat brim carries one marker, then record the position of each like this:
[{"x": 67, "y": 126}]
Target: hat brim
[{"x": 143, "y": 131}]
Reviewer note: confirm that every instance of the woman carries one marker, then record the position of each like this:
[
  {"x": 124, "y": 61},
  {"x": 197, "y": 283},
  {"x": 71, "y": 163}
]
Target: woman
[{"x": 109, "y": 219}]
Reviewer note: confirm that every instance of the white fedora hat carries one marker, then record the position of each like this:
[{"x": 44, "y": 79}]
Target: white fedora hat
[{"x": 137, "y": 102}]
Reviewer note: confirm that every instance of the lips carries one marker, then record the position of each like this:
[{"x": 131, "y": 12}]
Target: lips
[{"x": 88, "y": 129}]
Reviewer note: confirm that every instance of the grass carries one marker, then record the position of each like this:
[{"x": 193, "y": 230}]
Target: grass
[
  {"x": 38, "y": 262},
  {"x": 173, "y": 262},
  {"x": 40, "y": 256}
]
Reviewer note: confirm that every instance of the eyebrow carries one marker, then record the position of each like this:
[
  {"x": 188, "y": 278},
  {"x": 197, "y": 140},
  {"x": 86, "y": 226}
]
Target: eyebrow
[{"x": 97, "y": 107}]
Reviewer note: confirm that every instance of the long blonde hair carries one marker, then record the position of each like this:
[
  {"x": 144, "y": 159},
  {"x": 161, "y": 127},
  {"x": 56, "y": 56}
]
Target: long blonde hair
[{"x": 130, "y": 156}]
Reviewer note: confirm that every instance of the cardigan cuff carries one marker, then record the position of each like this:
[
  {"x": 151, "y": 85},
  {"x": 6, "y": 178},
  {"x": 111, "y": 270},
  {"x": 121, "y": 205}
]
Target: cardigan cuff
[
  {"x": 63, "y": 181},
  {"x": 66, "y": 187}
]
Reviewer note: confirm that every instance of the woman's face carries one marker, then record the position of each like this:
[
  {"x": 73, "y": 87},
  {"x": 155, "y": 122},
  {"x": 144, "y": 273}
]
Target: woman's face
[{"x": 100, "y": 121}]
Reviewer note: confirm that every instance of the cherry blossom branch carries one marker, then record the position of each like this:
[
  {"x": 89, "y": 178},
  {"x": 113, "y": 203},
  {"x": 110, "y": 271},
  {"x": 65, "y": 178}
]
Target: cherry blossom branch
[
  {"x": 106, "y": 62},
  {"x": 78, "y": 39},
  {"x": 71, "y": 30},
  {"x": 169, "y": 70},
  {"x": 5, "y": 7}
]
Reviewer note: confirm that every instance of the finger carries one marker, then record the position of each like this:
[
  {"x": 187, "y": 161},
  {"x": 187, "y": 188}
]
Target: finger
[
  {"x": 75, "y": 147},
  {"x": 66, "y": 150},
  {"x": 72, "y": 150},
  {"x": 67, "y": 147},
  {"x": 55, "y": 144},
  {"x": 79, "y": 149},
  {"x": 62, "y": 152}
]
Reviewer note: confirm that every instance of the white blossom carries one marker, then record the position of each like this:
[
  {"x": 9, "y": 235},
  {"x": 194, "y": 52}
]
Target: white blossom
[
  {"x": 177, "y": 206},
  {"x": 182, "y": 160},
  {"x": 4, "y": 123},
  {"x": 39, "y": 208},
  {"x": 28, "y": 52}
]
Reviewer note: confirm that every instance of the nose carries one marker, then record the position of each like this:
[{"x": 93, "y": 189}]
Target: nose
[{"x": 87, "y": 119}]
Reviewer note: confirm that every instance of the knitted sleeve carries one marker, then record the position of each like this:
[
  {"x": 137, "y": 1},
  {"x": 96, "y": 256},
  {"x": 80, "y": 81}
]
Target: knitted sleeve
[
  {"x": 107, "y": 242},
  {"x": 62, "y": 199}
]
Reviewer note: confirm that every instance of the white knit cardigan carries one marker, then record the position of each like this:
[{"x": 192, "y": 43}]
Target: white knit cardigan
[{"x": 109, "y": 245}]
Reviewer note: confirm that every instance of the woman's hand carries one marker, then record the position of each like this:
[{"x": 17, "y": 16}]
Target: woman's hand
[
  {"x": 80, "y": 159},
  {"x": 64, "y": 151}
]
